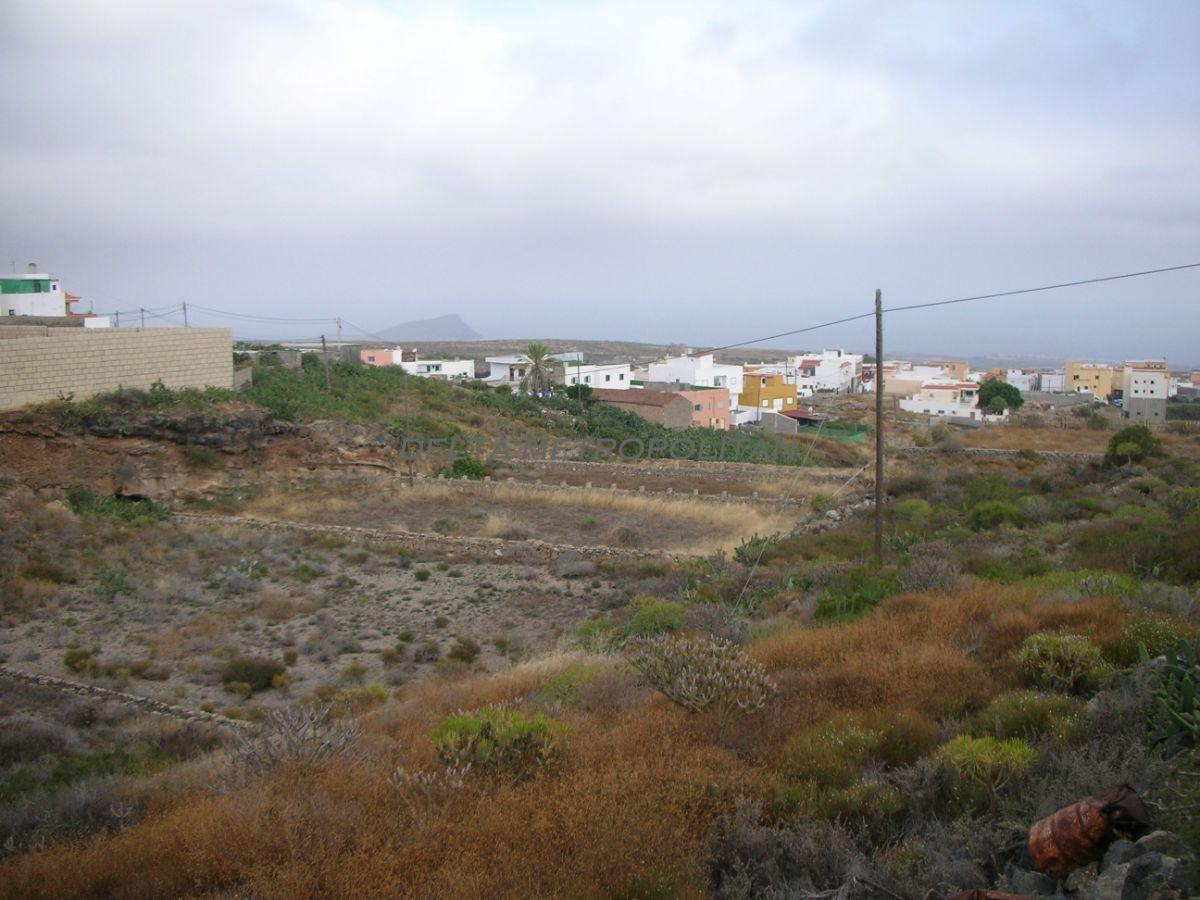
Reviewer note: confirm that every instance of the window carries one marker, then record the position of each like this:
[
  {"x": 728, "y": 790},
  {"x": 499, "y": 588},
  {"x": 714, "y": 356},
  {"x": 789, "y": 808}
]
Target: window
[
  {"x": 696, "y": 407},
  {"x": 621, "y": 377},
  {"x": 608, "y": 378},
  {"x": 765, "y": 402},
  {"x": 37, "y": 287}
]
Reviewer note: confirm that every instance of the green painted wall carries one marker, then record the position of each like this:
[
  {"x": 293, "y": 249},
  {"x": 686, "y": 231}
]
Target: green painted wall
[{"x": 24, "y": 285}]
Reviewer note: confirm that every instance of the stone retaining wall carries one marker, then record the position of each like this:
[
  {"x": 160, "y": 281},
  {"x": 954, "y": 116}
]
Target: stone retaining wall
[
  {"x": 141, "y": 704},
  {"x": 420, "y": 542},
  {"x": 995, "y": 452}
]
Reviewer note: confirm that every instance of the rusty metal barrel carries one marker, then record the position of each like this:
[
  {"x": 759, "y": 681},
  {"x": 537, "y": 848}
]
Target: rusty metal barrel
[{"x": 1080, "y": 833}]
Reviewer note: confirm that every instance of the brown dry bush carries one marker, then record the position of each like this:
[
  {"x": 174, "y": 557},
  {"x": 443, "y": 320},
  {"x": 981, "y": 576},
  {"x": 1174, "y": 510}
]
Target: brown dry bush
[{"x": 630, "y": 803}]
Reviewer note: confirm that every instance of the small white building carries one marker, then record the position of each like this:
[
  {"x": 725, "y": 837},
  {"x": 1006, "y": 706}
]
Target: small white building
[
  {"x": 617, "y": 376},
  {"x": 701, "y": 370},
  {"x": 950, "y": 400},
  {"x": 507, "y": 370},
  {"x": 1020, "y": 379},
  {"x": 32, "y": 293},
  {"x": 410, "y": 362},
  {"x": 1052, "y": 382},
  {"x": 448, "y": 369}
]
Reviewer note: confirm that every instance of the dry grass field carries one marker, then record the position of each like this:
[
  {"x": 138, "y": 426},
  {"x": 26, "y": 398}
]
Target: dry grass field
[{"x": 577, "y": 516}]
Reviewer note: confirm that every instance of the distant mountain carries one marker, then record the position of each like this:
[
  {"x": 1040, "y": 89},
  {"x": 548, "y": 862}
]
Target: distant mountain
[{"x": 443, "y": 328}]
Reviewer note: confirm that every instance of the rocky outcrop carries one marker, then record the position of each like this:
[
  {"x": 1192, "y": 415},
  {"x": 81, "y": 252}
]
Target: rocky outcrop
[{"x": 1156, "y": 867}]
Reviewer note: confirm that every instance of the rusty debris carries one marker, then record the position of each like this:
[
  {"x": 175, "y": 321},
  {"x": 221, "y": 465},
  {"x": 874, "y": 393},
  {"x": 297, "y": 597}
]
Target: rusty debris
[{"x": 1080, "y": 833}]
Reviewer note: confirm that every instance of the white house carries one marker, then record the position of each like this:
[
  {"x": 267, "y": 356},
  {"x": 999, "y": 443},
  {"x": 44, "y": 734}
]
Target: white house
[
  {"x": 948, "y": 399},
  {"x": 1052, "y": 382},
  {"x": 449, "y": 369},
  {"x": 618, "y": 376},
  {"x": 700, "y": 370},
  {"x": 508, "y": 370},
  {"x": 830, "y": 371},
  {"x": 32, "y": 293},
  {"x": 1020, "y": 379}
]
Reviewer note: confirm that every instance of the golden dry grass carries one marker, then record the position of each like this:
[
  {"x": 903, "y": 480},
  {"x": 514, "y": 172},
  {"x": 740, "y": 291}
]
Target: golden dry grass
[
  {"x": 711, "y": 525},
  {"x": 630, "y": 801}
]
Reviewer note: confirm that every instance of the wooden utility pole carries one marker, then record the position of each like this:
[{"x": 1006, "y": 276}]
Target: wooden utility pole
[
  {"x": 879, "y": 426},
  {"x": 325, "y": 356},
  {"x": 143, "y": 312},
  {"x": 185, "y": 324}
]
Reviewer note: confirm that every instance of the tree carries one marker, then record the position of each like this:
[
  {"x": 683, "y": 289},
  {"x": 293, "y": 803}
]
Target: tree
[
  {"x": 997, "y": 405},
  {"x": 993, "y": 389},
  {"x": 1132, "y": 444},
  {"x": 537, "y": 373},
  {"x": 579, "y": 392}
]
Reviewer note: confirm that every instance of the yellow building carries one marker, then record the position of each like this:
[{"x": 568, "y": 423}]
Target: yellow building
[
  {"x": 764, "y": 390},
  {"x": 1088, "y": 378},
  {"x": 955, "y": 369}
]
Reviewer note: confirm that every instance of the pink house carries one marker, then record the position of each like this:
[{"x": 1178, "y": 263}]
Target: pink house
[
  {"x": 710, "y": 407},
  {"x": 376, "y": 356}
]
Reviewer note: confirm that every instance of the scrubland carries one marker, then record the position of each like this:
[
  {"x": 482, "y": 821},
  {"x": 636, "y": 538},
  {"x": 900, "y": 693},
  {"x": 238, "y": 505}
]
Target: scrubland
[{"x": 786, "y": 718}]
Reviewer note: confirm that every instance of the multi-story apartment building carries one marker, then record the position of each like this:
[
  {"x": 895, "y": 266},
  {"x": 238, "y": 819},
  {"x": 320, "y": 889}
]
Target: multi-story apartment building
[{"x": 1145, "y": 387}]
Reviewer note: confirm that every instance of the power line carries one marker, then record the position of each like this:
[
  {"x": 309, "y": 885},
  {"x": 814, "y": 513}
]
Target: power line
[
  {"x": 1045, "y": 287},
  {"x": 1013, "y": 293},
  {"x": 250, "y": 317}
]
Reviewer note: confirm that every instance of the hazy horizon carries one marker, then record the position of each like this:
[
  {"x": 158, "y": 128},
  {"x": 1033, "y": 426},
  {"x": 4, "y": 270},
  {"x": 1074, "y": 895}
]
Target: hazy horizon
[{"x": 700, "y": 173}]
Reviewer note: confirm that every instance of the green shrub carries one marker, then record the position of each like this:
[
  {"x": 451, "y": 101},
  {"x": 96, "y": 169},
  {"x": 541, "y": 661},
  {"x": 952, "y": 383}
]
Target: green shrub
[
  {"x": 563, "y": 689},
  {"x": 1156, "y": 632},
  {"x": 749, "y": 550},
  {"x": 626, "y": 536},
  {"x": 851, "y": 593},
  {"x": 993, "y": 513},
  {"x": 466, "y": 466},
  {"x": 595, "y": 633},
  {"x": 444, "y": 526},
  {"x": 255, "y": 671},
  {"x": 464, "y": 650},
  {"x": 1062, "y": 662},
  {"x": 1031, "y": 715},
  {"x": 832, "y": 754},
  {"x": 653, "y": 617},
  {"x": 497, "y": 739},
  {"x": 861, "y": 800},
  {"x": 421, "y": 574},
  {"x": 306, "y": 574},
  {"x": 1087, "y": 582},
  {"x": 121, "y": 509},
  {"x": 983, "y": 767},
  {"x": 704, "y": 672},
  {"x": 110, "y": 583}
]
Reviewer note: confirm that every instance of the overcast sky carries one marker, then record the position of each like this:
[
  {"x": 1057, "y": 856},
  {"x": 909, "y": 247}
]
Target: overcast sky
[{"x": 698, "y": 171}]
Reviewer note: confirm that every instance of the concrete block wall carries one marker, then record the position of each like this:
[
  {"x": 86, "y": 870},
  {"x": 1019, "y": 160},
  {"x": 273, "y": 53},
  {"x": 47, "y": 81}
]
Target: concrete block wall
[{"x": 42, "y": 363}]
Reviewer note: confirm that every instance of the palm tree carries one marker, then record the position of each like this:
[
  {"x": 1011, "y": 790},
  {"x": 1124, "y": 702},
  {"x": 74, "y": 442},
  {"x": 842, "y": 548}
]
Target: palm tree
[{"x": 537, "y": 373}]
